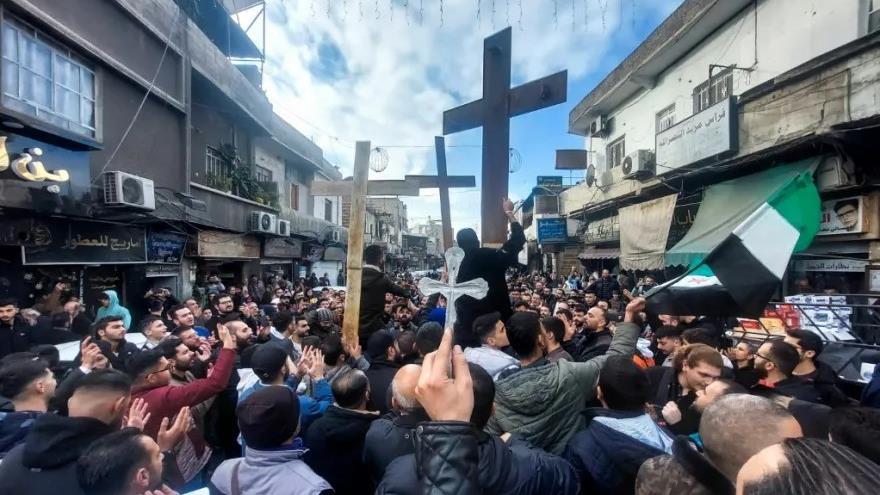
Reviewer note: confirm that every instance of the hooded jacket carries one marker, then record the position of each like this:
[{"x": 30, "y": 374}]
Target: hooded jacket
[
  {"x": 514, "y": 468},
  {"x": 374, "y": 285},
  {"x": 543, "y": 403},
  {"x": 269, "y": 471},
  {"x": 14, "y": 428},
  {"x": 389, "y": 438},
  {"x": 335, "y": 445},
  {"x": 46, "y": 463},
  {"x": 607, "y": 455},
  {"x": 114, "y": 309}
]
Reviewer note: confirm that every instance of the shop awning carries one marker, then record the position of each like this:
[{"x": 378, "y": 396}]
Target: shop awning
[
  {"x": 644, "y": 229},
  {"x": 728, "y": 204},
  {"x": 594, "y": 253}
]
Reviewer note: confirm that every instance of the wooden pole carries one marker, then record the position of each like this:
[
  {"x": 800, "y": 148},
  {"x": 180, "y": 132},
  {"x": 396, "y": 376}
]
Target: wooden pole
[
  {"x": 350, "y": 323},
  {"x": 445, "y": 218}
]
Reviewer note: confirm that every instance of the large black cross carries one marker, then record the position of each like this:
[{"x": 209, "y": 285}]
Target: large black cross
[{"x": 493, "y": 113}]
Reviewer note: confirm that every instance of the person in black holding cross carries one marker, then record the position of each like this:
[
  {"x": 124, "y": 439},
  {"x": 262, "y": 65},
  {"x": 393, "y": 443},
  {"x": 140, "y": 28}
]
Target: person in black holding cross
[{"x": 490, "y": 265}]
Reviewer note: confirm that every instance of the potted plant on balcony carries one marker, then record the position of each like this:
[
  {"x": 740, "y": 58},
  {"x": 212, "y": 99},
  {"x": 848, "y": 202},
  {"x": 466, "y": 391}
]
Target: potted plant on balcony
[{"x": 219, "y": 182}]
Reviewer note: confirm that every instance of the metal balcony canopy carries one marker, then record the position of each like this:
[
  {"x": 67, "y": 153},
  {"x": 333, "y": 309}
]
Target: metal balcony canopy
[{"x": 213, "y": 18}]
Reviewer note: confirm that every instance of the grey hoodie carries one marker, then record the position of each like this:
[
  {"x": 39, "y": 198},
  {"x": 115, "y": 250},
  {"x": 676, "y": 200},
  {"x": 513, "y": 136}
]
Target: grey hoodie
[{"x": 275, "y": 471}]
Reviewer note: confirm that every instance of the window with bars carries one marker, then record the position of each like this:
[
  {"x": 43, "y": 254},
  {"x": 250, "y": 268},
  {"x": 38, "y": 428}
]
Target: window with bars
[
  {"x": 328, "y": 210},
  {"x": 262, "y": 174},
  {"x": 294, "y": 197},
  {"x": 46, "y": 80},
  {"x": 665, "y": 118},
  {"x": 718, "y": 88},
  {"x": 615, "y": 152},
  {"x": 216, "y": 164}
]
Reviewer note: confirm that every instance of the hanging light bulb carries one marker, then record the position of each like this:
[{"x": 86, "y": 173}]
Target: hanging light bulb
[
  {"x": 378, "y": 159},
  {"x": 515, "y": 162}
]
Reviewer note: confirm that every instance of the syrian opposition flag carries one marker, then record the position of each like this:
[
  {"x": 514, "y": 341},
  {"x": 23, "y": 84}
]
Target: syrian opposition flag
[{"x": 740, "y": 275}]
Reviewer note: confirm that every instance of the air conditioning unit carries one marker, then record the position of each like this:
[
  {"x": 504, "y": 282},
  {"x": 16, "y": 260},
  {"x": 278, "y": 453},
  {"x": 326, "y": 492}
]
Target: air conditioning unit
[
  {"x": 262, "y": 222},
  {"x": 284, "y": 228},
  {"x": 835, "y": 172},
  {"x": 123, "y": 189},
  {"x": 546, "y": 205},
  {"x": 638, "y": 165},
  {"x": 599, "y": 126}
]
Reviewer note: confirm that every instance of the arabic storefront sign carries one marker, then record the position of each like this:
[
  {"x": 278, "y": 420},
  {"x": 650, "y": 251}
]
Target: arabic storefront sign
[
  {"x": 165, "y": 247},
  {"x": 603, "y": 230},
  {"x": 36, "y": 175},
  {"x": 842, "y": 216},
  {"x": 682, "y": 218},
  {"x": 830, "y": 265},
  {"x": 552, "y": 230},
  {"x": 706, "y": 134},
  {"x": 222, "y": 245},
  {"x": 281, "y": 247},
  {"x": 63, "y": 242}
]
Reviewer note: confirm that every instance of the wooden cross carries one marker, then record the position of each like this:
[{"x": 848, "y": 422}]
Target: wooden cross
[
  {"x": 493, "y": 113},
  {"x": 476, "y": 288},
  {"x": 355, "y": 258}
]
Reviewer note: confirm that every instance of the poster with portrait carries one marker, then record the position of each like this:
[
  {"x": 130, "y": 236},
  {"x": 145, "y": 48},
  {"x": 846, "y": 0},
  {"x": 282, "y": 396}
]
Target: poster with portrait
[{"x": 842, "y": 216}]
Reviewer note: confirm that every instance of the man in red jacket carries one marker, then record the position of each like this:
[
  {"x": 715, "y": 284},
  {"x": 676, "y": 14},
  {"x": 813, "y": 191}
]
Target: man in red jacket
[{"x": 151, "y": 375}]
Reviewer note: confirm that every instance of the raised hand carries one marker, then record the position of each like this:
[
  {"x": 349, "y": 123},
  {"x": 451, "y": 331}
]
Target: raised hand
[
  {"x": 89, "y": 353},
  {"x": 633, "y": 309},
  {"x": 446, "y": 398},
  {"x": 225, "y": 336},
  {"x": 137, "y": 414},
  {"x": 204, "y": 353},
  {"x": 316, "y": 368},
  {"x": 168, "y": 437},
  {"x": 353, "y": 350}
]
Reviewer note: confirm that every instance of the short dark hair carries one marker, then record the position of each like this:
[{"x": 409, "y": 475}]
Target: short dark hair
[
  {"x": 149, "y": 320},
  {"x": 808, "y": 341},
  {"x": 332, "y": 348},
  {"x": 731, "y": 387},
  {"x": 103, "y": 322},
  {"x": 521, "y": 304},
  {"x": 8, "y": 301},
  {"x": 373, "y": 254},
  {"x": 406, "y": 342},
  {"x": 784, "y": 355},
  {"x": 299, "y": 317},
  {"x": 555, "y": 326},
  {"x": 221, "y": 296},
  {"x": 699, "y": 336},
  {"x": 107, "y": 465},
  {"x": 854, "y": 202},
  {"x": 428, "y": 337},
  {"x": 523, "y": 329},
  {"x": 484, "y": 395},
  {"x": 281, "y": 320},
  {"x": 484, "y": 325},
  {"x": 566, "y": 313},
  {"x": 397, "y": 307},
  {"x": 624, "y": 385},
  {"x": 230, "y": 317},
  {"x": 667, "y": 332},
  {"x": 108, "y": 380},
  {"x": 174, "y": 309},
  {"x": 350, "y": 388},
  {"x": 858, "y": 428},
  {"x": 16, "y": 376}
]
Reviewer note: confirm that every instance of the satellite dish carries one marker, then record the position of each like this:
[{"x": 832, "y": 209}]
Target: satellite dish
[
  {"x": 590, "y": 178},
  {"x": 627, "y": 165},
  {"x": 378, "y": 159},
  {"x": 515, "y": 161}
]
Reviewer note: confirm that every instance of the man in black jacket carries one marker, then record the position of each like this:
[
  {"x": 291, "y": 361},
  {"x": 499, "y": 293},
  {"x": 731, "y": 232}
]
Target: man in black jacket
[
  {"x": 382, "y": 352},
  {"x": 46, "y": 463},
  {"x": 110, "y": 337},
  {"x": 811, "y": 370},
  {"x": 775, "y": 362},
  {"x": 491, "y": 265},
  {"x": 15, "y": 334},
  {"x": 374, "y": 285},
  {"x": 505, "y": 466},
  {"x": 336, "y": 440},
  {"x": 597, "y": 338}
]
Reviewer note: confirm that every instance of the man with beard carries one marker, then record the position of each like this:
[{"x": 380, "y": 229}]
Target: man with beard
[
  {"x": 294, "y": 328},
  {"x": 383, "y": 354},
  {"x": 151, "y": 372},
  {"x": 811, "y": 370},
  {"x": 674, "y": 389},
  {"x": 110, "y": 338},
  {"x": 183, "y": 317},
  {"x": 125, "y": 462},
  {"x": 491, "y": 265},
  {"x": 598, "y": 337},
  {"x": 15, "y": 335},
  {"x": 775, "y": 363},
  {"x": 46, "y": 463},
  {"x": 182, "y": 359},
  {"x": 403, "y": 319},
  {"x": 605, "y": 287},
  {"x": 223, "y": 306},
  {"x": 375, "y": 288}
]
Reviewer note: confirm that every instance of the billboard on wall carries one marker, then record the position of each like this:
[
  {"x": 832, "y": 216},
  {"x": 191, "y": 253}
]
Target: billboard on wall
[{"x": 842, "y": 216}]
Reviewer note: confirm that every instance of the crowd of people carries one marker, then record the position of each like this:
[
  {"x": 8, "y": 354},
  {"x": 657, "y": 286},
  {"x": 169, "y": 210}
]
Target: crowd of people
[{"x": 550, "y": 384}]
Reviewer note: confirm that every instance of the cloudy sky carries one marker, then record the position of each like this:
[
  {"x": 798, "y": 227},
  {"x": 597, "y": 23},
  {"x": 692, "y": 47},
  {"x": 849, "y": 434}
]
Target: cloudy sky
[{"x": 385, "y": 70}]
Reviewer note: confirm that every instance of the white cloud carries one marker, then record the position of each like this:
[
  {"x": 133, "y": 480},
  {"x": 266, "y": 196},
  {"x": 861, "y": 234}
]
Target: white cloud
[{"x": 400, "y": 75}]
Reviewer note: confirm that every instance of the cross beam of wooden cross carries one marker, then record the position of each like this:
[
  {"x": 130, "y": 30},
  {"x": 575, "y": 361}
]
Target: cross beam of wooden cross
[
  {"x": 493, "y": 113},
  {"x": 476, "y": 288}
]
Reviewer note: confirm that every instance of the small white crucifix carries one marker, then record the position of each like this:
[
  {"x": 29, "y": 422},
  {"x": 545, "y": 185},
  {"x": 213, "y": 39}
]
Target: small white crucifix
[{"x": 476, "y": 288}]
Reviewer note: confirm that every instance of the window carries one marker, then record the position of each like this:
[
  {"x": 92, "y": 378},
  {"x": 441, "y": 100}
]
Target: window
[
  {"x": 665, "y": 118},
  {"x": 294, "y": 197},
  {"x": 615, "y": 152},
  {"x": 328, "y": 210},
  {"x": 47, "y": 81},
  {"x": 215, "y": 164},
  {"x": 874, "y": 16},
  {"x": 719, "y": 87},
  {"x": 262, "y": 174}
]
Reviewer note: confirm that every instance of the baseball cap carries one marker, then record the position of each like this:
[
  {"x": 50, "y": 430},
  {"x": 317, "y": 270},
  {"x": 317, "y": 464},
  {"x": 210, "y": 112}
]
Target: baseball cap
[
  {"x": 268, "y": 417},
  {"x": 267, "y": 360}
]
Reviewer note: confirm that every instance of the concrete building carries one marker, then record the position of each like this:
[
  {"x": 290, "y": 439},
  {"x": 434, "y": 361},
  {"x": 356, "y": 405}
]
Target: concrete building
[
  {"x": 723, "y": 90},
  {"x": 160, "y": 160}
]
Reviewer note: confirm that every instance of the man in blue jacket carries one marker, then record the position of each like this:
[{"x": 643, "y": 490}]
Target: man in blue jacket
[{"x": 620, "y": 436}]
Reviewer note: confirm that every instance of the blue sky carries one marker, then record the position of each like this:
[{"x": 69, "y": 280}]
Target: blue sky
[{"x": 344, "y": 70}]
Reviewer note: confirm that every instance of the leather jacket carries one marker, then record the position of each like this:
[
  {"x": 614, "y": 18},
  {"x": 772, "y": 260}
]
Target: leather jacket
[{"x": 446, "y": 458}]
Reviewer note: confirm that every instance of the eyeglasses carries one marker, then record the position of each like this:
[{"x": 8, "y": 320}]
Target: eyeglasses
[
  {"x": 765, "y": 358},
  {"x": 167, "y": 368}
]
